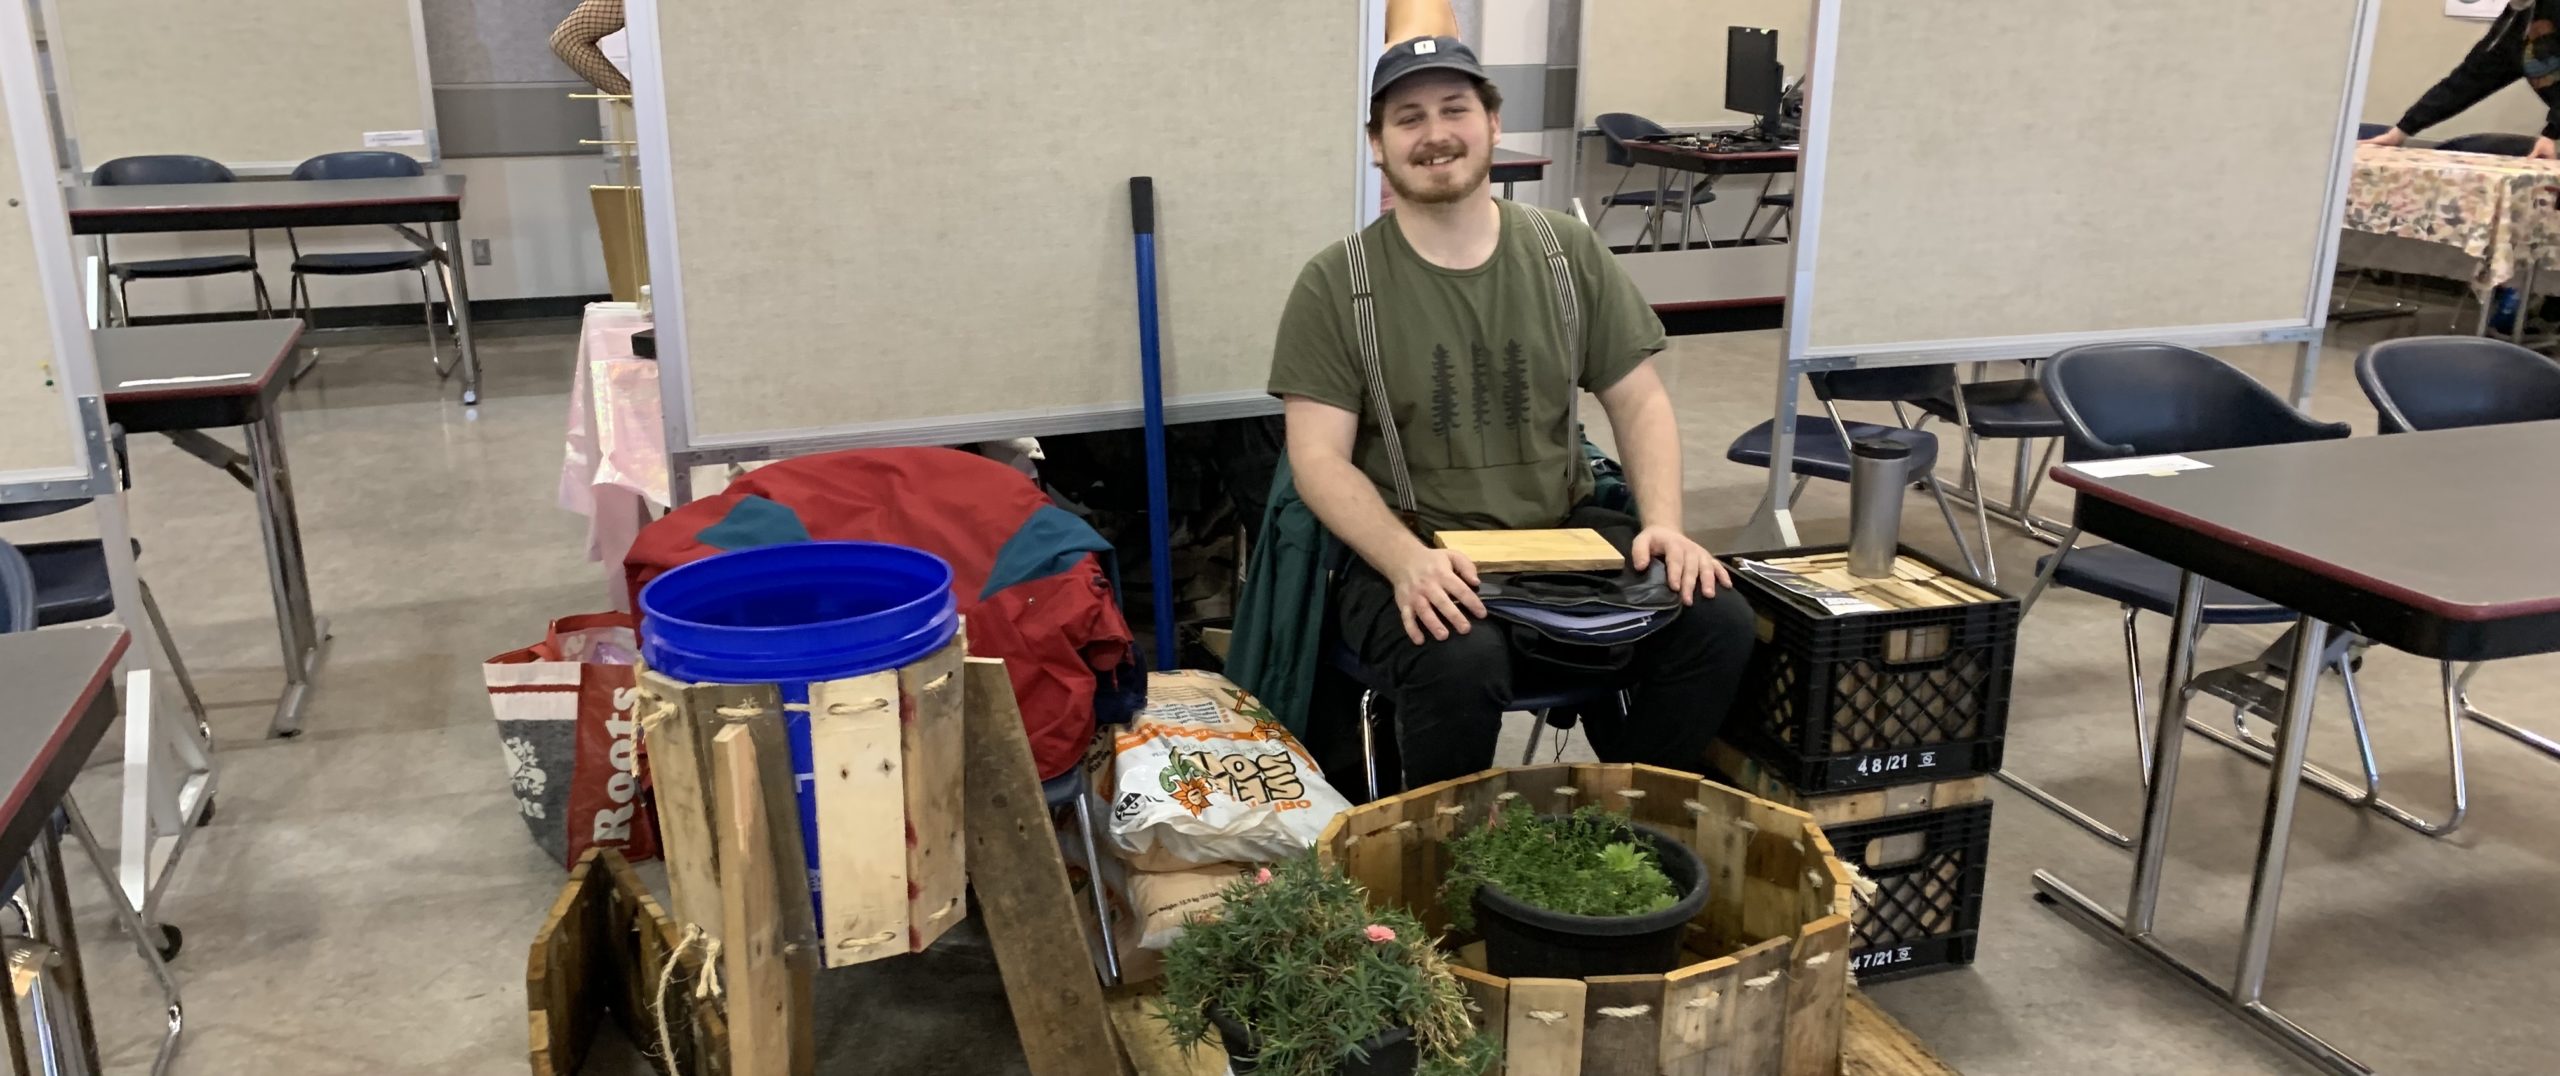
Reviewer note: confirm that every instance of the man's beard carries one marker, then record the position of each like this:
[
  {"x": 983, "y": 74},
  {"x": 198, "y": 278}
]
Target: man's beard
[{"x": 1456, "y": 187}]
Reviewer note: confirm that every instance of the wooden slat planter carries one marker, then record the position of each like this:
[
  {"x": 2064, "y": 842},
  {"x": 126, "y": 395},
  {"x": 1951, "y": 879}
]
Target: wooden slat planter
[{"x": 1765, "y": 997}]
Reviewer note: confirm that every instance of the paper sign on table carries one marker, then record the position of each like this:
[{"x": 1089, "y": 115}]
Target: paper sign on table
[{"x": 2152, "y": 465}]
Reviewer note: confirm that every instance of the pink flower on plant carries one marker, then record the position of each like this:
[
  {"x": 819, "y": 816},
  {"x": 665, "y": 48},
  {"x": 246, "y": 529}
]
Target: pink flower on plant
[
  {"x": 1262, "y": 876},
  {"x": 1381, "y": 934}
]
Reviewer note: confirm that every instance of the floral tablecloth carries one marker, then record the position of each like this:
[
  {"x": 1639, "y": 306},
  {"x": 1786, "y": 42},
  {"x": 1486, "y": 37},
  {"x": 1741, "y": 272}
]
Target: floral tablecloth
[{"x": 2496, "y": 211}]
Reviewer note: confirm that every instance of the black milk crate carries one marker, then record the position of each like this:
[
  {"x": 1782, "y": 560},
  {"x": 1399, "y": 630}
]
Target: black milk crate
[
  {"x": 1862, "y": 700},
  {"x": 1928, "y": 870}
]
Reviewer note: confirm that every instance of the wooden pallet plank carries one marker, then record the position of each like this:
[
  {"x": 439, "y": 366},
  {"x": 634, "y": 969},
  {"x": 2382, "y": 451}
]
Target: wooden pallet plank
[
  {"x": 935, "y": 746},
  {"x": 1754, "y": 1040},
  {"x": 1622, "y": 1025},
  {"x": 1875, "y": 1045},
  {"x": 1817, "y": 977},
  {"x": 1693, "y": 1016},
  {"x": 754, "y": 971},
  {"x": 854, "y": 732},
  {"x": 1489, "y": 998},
  {"x": 672, "y": 724},
  {"x": 1542, "y": 1028},
  {"x": 560, "y": 984},
  {"x": 1059, "y": 1012}
]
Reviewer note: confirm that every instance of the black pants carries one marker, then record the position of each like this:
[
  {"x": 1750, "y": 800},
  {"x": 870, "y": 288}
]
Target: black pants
[{"x": 1450, "y": 695}]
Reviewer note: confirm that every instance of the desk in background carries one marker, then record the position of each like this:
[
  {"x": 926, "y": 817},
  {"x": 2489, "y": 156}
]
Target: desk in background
[
  {"x": 2455, "y": 570},
  {"x": 298, "y": 203},
  {"x": 1512, "y": 167},
  {"x": 1669, "y": 157},
  {"x": 186, "y": 378}
]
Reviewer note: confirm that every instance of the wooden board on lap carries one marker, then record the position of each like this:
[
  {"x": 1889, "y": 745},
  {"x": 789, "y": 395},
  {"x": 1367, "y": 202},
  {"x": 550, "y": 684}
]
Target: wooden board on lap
[{"x": 1578, "y": 550}]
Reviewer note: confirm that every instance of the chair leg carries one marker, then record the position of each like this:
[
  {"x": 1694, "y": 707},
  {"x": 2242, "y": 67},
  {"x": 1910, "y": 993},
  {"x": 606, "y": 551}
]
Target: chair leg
[
  {"x": 297, "y": 296},
  {"x": 1956, "y": 530},
  {"x": 1796, "y": 492},
  {"x": 1981, "y": 515},
  {"x": 2045, "y": 578},
  {"x": 2141, "y": 747},
  {"x": 124, "y": 302},
  {"x": 1537, "y": 731},
  {"x": 1369, "y": 741},
  {"x": 146, "y": 938},
  {"x": 1101, "y": 903},
  {"x": 427, "y": 304},
  {"x": 169, "y": 646},
  {"x": 2527, "y": 737},
  {"x": 258, "y": 290}
]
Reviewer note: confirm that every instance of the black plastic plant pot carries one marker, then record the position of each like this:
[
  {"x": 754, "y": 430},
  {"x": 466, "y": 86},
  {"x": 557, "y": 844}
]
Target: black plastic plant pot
[
  {"x": 1391, "y": 1052},
  {"x": 1525, "y": 941}
]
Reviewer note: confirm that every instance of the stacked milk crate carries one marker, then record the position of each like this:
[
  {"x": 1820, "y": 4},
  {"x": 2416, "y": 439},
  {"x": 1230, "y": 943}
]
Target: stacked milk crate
[{"x": 1878, "y": 706}]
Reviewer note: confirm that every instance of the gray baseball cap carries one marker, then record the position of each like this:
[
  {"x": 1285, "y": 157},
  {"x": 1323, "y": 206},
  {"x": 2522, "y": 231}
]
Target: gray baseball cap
[{"x": 1424, "y": 54}]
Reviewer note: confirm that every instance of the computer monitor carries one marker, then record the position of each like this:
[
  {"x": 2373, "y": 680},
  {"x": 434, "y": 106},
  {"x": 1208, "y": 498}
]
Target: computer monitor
[{"x": 1754, "y": 83}]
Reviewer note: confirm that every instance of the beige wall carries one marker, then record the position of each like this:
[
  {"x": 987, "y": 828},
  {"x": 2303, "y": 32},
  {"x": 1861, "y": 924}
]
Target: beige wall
[{"x": 2419, "y": 44}]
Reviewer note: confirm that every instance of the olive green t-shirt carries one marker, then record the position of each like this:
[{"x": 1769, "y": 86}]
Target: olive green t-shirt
[{"x": 1475, "y": 366}]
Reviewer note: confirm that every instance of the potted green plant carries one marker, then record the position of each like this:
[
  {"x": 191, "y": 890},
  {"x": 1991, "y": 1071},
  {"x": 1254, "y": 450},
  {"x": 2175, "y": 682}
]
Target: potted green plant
[
  {"x": 1301, "y": 978},
  {"x": 1573, "y": 896}
]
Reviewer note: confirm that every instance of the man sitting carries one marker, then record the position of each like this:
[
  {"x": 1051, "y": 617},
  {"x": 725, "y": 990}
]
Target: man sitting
[{"x": 1480, "y": 378}]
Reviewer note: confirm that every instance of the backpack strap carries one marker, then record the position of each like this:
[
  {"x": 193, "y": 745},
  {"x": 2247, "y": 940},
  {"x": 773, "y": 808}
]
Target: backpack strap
[{"x": 1364, "y": 319}]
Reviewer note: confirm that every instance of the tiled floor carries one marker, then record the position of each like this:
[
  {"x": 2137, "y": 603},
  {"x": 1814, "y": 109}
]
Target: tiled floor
[{"x": 363, "y": 903}]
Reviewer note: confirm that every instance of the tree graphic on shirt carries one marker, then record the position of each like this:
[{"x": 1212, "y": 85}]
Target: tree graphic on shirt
[
  {"x": 1444, "y": 398},
  {"x": 1515, "y": 394},
  {"x": 1480, "y": 380}
]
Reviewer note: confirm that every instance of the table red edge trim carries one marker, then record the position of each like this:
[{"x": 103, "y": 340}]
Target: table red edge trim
[
  {"x": 262, "y": 207},
  {"x": 2097, "y": 487},
  {"x": 62, "y": 729},
  {"x": 213, "y": 390}
]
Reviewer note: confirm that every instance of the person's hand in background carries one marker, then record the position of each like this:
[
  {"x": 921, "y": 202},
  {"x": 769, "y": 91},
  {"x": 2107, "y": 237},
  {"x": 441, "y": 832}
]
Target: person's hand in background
[{"x": 2395, "y": 136}]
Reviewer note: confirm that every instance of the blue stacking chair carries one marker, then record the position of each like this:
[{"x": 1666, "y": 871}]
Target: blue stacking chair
[
  {"x": 2141, "y": 399},
  {"x": 174, "y": 168},
  {"x": 1619, "y": 128},
  {"x": 362, "y": 164},
  {"x": 2449, "y": 382}
]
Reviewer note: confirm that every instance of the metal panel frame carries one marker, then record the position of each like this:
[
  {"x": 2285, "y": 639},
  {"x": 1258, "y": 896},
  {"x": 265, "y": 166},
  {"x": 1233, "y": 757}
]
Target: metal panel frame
[
  {"x": 75, "y": 365},
  {"x": 686, "y": 451},
  {"x": 1773, "y": 525},
  {"x": 74, "y": 167}
]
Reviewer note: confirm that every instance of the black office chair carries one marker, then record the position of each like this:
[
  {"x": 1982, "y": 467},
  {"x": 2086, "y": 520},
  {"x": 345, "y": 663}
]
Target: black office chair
[
  {"x": 1619, "y": 128},
  {"x": 1822, "y": 448},
  {"x": 2450, "y": 382},
  {"x": 1782, "y": 205},
  {"x": 174, "y": 168},
  {"x": 2140, "y": 399},
  {"x": 1555, "y": 697},
  {"x": 71, "y": 584},
  {"x": 362, "y": 164}
]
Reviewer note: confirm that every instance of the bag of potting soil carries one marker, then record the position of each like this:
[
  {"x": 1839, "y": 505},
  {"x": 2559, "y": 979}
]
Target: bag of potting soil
[
  {"x": 1167, "y": 901},
  {"x": 1206, "y": 775}
]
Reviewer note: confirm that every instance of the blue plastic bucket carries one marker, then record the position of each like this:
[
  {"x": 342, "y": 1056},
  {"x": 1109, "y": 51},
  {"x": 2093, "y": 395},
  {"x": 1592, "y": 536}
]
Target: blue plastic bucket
[{"x": 790, "y": 615}]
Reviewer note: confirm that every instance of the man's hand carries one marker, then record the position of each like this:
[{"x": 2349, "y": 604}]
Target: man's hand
[
  {"x": 2392, "y": 137},
  {"x": 1436, "y": 593},
  {"x": 2544, "y": 149},
  {"x": 1693, "y": 572}
]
